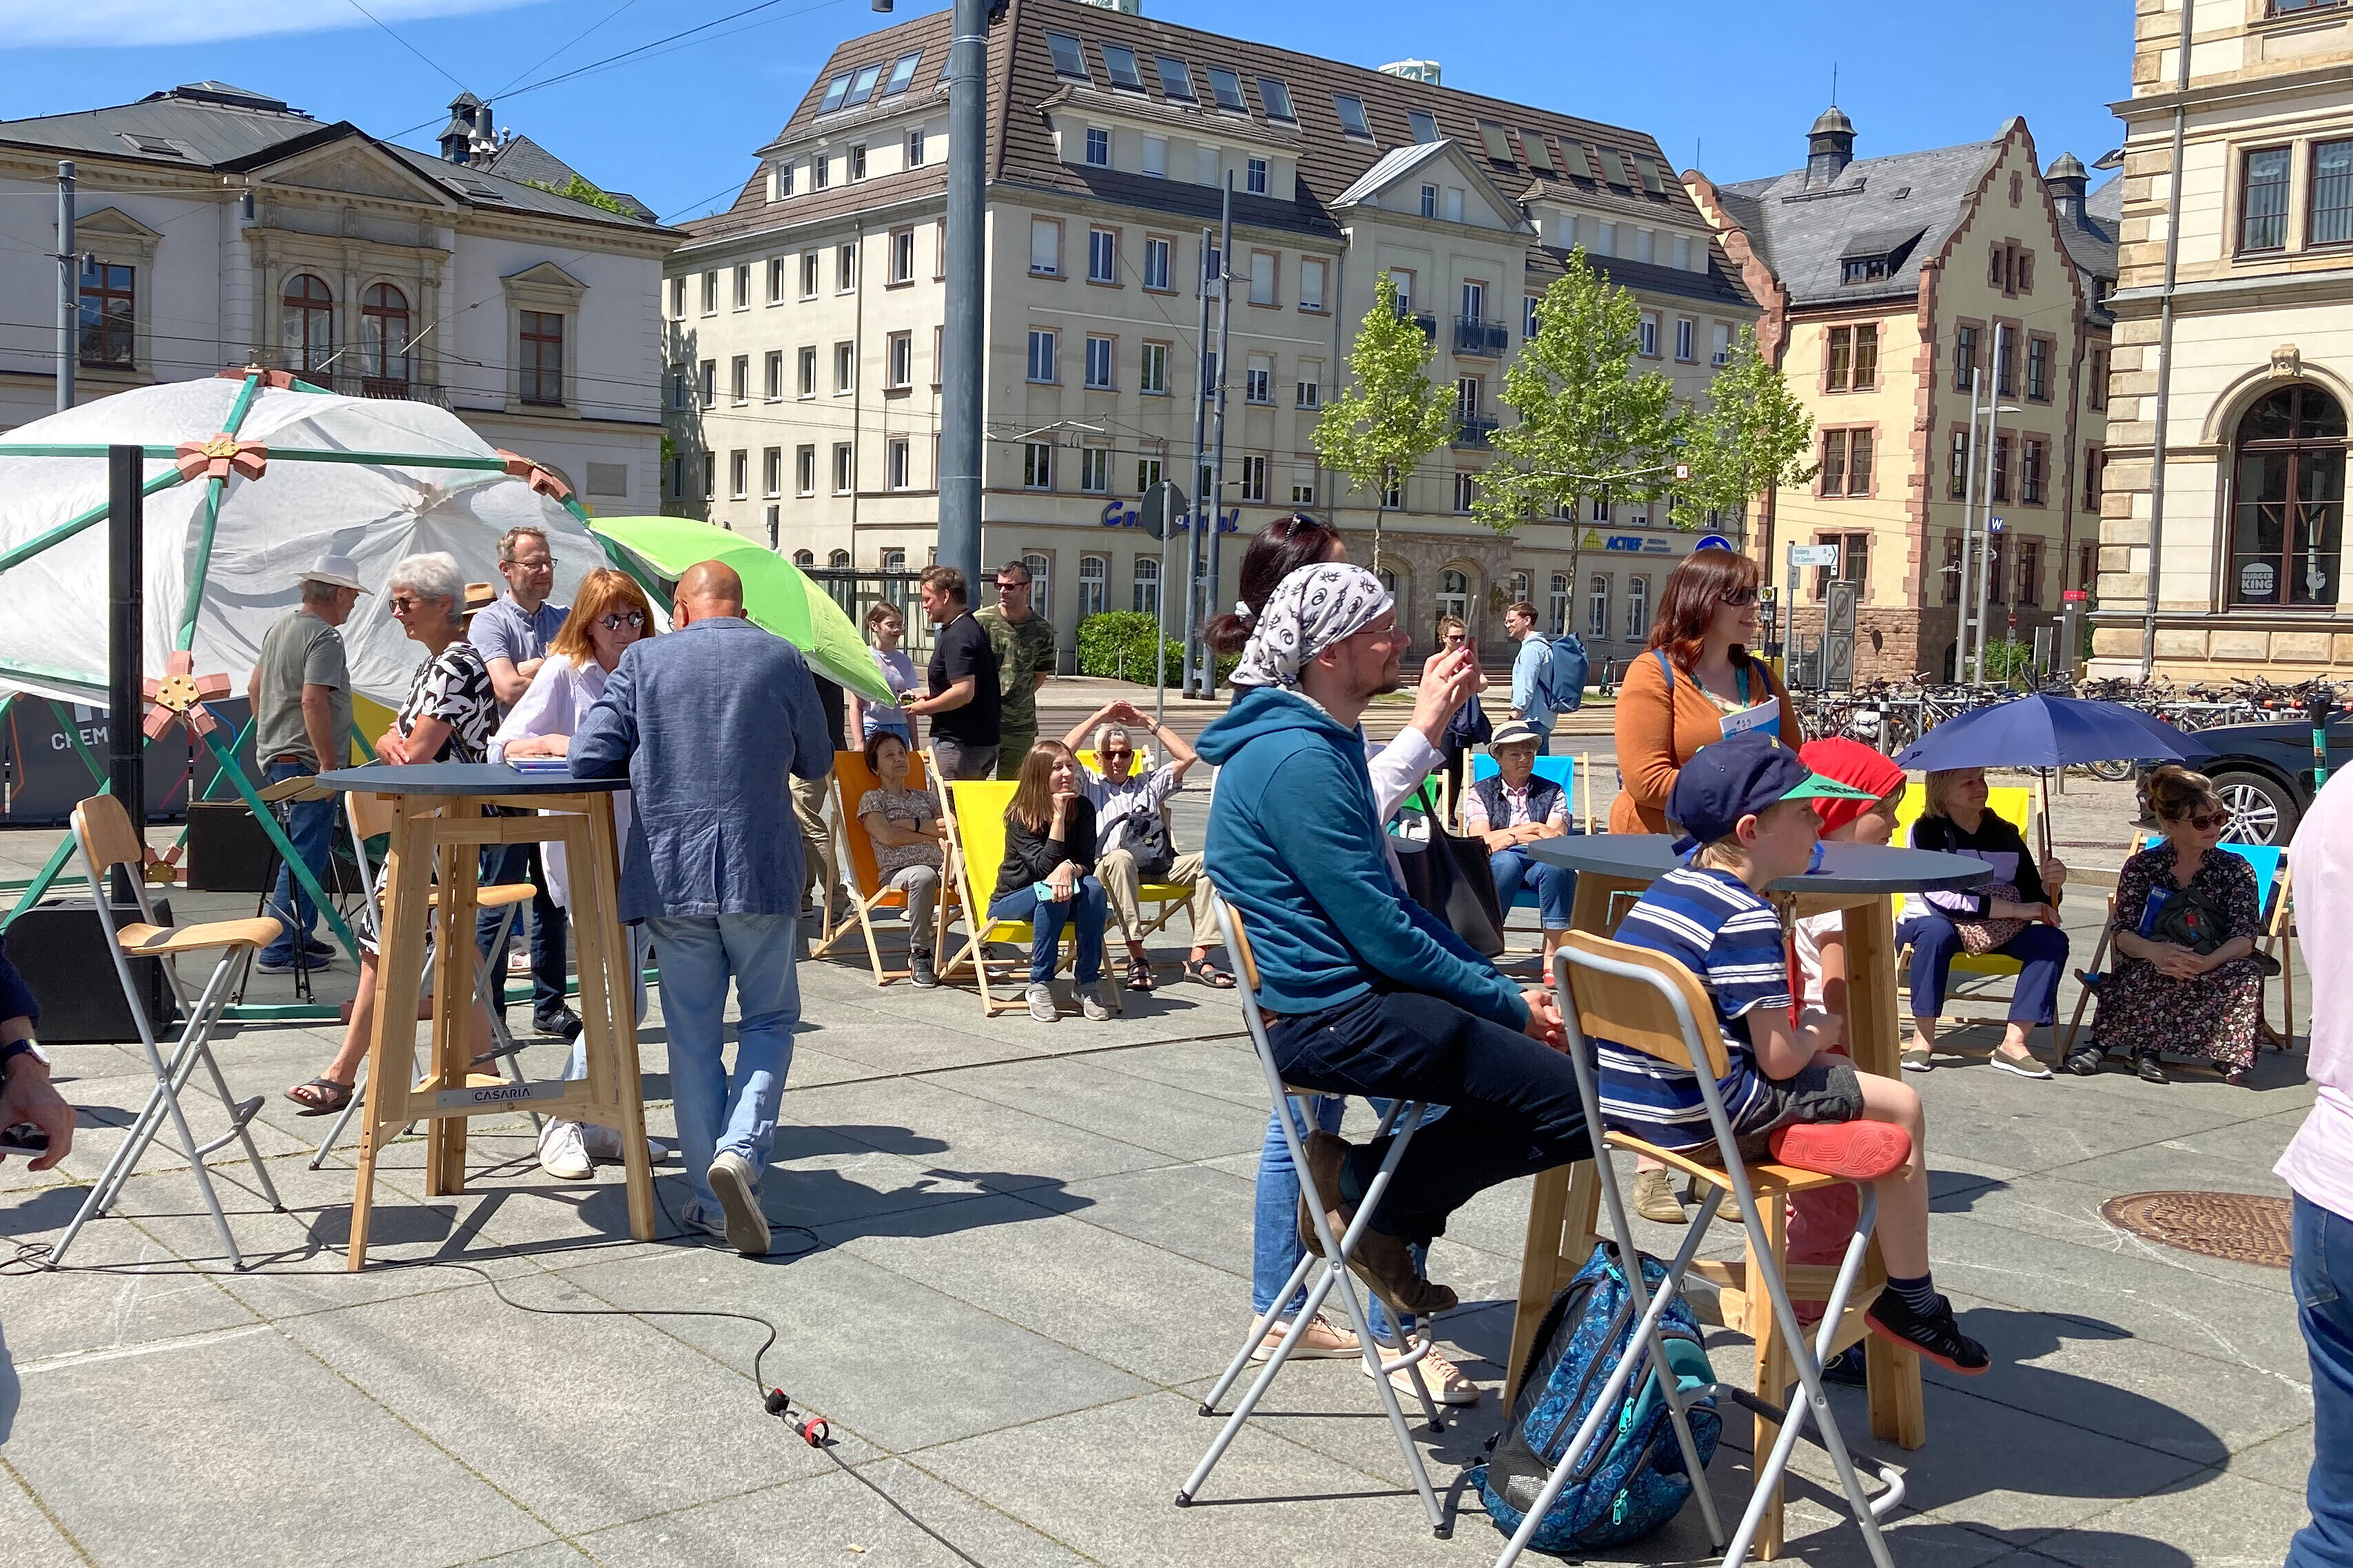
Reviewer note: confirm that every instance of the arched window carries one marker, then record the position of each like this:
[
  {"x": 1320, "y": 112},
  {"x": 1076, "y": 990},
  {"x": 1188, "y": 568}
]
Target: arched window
[
  {"x": 1559, "y": 606},
  {"x": 384, "y": 337},
  {"x": 838, "y": 560},
  {"x": 804, "y": 559},
  {"x": 310, "y": 323},
  {"x": 2287, "y": 505},
  {"x": 1145, "y": 599},
  {"x": 1092, "y": 570},
  {"x": 1454, "y": 596}
]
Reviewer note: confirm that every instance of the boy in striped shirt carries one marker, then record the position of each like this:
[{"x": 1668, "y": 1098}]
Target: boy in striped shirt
[{"x": 1743, "y": 802}]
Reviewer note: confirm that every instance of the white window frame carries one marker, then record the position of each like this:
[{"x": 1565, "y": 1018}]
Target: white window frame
[
  {"x": 1037, "y": 465},
  {"x": 897, "y": 463},
  {"x": 805, "y": 471},
  {"x": 1103, "y": 363},
  {"x": 1102, "y": 256},
  {"x": 1312, "y": 273},
  {"x": 898, "y": 361},
  {"x": 1094, "y": 572},
  {"x": 1043, "y": 367},
  {"x": 1045, "y": 247},
  {"x": 1095, "y": 471},
  {"x": 845, "y": 467}
]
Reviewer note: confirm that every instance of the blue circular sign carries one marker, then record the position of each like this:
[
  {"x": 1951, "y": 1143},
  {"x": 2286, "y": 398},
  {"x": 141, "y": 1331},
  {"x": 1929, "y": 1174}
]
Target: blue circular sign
[{"x": 1712, "y": 542}]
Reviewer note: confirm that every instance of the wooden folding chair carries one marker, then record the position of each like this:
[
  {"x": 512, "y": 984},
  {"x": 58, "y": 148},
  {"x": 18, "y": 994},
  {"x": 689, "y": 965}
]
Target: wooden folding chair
[
  {"x": 103, "y": 834},
  {"x": 851, "y": 779},
  {"x": 975, "y": 809},
  {"x": 1644, "y": 1000}
]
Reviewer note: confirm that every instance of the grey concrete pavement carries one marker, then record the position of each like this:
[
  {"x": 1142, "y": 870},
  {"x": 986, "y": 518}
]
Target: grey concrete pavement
[{"x": 1027, "y": 1255}]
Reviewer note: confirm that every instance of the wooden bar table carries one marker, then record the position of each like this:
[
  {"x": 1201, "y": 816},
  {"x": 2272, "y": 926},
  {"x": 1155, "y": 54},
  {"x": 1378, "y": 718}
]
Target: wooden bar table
[
  {"x": 438, "y": 815},
  {"x": 1863, "y": 880}
]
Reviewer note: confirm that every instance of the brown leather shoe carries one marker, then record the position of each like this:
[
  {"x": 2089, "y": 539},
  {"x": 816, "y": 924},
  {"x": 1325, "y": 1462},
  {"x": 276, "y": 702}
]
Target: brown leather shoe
[{"x": 1384, "y": 1262}]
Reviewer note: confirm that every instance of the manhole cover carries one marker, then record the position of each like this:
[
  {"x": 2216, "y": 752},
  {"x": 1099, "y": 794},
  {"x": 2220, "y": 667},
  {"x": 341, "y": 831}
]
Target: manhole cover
[{"x": 2240, "y": 1226}]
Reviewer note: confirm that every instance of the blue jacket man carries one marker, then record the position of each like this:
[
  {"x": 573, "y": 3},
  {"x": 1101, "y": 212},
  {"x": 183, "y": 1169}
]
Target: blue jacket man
[
  {"x": 708, "y": 723},
  {"x": 1529, "y": 663},
  {"x": 1374, "y": 995}
]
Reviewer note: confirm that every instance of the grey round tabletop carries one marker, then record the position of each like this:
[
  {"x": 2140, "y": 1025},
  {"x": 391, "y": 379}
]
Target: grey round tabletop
[
  {"x": 461, "y": 778},
  {"x": 1845, "y": 868}
]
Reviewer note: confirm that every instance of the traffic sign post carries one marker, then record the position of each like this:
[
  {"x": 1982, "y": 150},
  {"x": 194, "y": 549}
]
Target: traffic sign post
[{"x": 1161, "y": 508}]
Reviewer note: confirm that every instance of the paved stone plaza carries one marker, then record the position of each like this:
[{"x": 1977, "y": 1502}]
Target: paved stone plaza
[{"x": 1031, "y": 1259}]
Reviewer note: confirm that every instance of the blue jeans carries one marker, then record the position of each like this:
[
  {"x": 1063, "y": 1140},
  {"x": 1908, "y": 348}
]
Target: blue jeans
[
  {"x": 311, "y": 826},
  {"x": 718, "y": 1112},
  {"x": 1275, "y": 1248},
  {"x": 503, "y": 864},
  {"x": 1086, "y": 905},
  {"x": 2042, "y": 948},
  {"x": 2324, "y": 1308},
  {"x": 1554, "y": 886}
]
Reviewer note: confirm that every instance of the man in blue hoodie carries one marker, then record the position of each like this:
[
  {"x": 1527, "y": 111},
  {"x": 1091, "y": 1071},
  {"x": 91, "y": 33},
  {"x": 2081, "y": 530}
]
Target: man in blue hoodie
[{"x": 1369, "y": 993}]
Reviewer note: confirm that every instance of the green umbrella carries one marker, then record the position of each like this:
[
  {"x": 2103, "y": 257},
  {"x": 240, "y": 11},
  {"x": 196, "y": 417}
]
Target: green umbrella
[{"x": 776, "y": 593}]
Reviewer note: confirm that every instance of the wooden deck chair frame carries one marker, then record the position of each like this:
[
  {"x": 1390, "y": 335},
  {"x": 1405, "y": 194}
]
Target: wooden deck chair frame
[
  {"x": 105, "y": 838},
  {"x": 2277, "y": 920},
  {"x": 1332, "y": 1252},
  {"x": 867, "y": 891},
  {"x": 980, "y": 930},
  {"x": 370, "y": 816},
  {"x": 1645, "y": 1001}
]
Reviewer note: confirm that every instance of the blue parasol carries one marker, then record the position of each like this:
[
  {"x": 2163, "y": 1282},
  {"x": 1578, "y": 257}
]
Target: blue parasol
[{"x": 2041, "y": 731}]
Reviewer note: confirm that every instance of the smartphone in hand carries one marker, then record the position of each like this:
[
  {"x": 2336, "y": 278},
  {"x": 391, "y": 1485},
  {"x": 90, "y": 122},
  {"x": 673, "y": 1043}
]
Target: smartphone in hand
[{"x": 24, "y": 1139}]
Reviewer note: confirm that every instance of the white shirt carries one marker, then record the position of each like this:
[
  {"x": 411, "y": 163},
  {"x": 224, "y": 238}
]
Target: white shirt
[
  {"x": 1810, "y": 934},
  {"x": 1114, "y": 799},
  {"x": 557, "y": 699},
  {"x": 2318, "y": 1163}
]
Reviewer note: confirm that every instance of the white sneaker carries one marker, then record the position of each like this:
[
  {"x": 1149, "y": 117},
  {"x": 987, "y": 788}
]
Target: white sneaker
[
  {"x": 1445, "y": 1381},
  {"x": 1091, "y": 1002},
  {"x": 1323, "y": 1341},
  {"x": 519, "y": 960},
  {"x": 603, "y": 1144},
  {"x": 704, "y": 1222},
  {"x": 562, "y": 1153},
  {"x": 1041, "y": 1004},
  {"x": 736, "y": 1185}
]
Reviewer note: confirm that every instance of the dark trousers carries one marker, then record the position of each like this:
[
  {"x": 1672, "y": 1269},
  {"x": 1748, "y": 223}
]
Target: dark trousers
[
  {"x": 2041, "y": 948},
  {"x": 310, "y": 827},
  {"x": 1512, "y": 1103},
  {"x": 2323, "y": 1249},
  {"x": 507, "y": 863}
]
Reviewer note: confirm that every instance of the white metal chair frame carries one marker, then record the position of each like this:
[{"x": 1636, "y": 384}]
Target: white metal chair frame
[
  {"x": 1804, "y": 1354},
  {"x": 103, "y": 817},
  {"x": 1405, "y": 1117},
  {"x": 504, "y": 1047}
]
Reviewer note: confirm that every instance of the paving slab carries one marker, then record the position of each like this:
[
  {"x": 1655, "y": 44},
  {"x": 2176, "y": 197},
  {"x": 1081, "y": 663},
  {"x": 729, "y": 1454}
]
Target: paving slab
[
  {"x": 1173, "y": 1121},
  {"x": 966, "y": 1137},
  {"x": 33, "y": 1541}
]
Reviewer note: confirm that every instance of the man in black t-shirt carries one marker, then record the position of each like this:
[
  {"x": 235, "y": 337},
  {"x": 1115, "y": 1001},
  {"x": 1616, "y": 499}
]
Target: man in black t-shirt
[
  {"x": 817, "y": 863},
  {"x": 964, "y": 704}
]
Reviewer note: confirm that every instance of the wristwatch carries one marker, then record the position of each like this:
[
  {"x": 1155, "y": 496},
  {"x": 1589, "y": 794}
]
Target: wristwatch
[{"x": 15, "y": 1049}]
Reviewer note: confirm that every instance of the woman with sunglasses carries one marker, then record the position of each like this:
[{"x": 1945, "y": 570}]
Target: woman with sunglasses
[
  {"x": 1693, "y": 685},
  {"x": 609, "y": 612},
  {"x": 2162, "y": 994},
  {"x": 1469, "y": 725}
]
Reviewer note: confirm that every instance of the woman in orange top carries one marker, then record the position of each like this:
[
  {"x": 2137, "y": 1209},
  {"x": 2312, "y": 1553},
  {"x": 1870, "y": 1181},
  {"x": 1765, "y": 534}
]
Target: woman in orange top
[{"x": 1707, "y": 617}]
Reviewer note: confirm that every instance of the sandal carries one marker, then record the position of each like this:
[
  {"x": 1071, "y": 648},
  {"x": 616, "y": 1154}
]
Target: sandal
[
  {"x": 329, "y": 1098},
  {"x": 1139, "y": 975},
  {"x": 1208, "y": 974}
]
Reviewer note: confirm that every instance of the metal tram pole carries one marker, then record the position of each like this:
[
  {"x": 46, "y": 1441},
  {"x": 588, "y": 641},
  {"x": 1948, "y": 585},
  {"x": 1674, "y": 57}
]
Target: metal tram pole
[
  {"x": 68, "y": 287},
  {"x": 963, "y": 345},
  {"x": 1201, "y": 467},
  {"x": 1985, "y": 548},
  {"x": 1217, "y": 497},
  {"x": 126, "y": 769},
  {"x": 1969, "y": 527}
]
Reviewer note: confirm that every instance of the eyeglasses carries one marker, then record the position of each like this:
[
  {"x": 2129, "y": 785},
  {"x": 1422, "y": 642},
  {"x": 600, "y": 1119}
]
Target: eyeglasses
[
  {"x": 1738, "y": 598},
  {"x": 401, "y": 604},
  {"x": 632, "y": 619},
  {"x": 547, "y": 565}
]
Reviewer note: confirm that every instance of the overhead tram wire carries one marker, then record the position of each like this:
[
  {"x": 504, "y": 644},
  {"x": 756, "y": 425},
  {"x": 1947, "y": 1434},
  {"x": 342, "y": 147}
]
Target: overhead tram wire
[
  {"x": 560, "y": 48},
  {"x": 405, "y": 44}
]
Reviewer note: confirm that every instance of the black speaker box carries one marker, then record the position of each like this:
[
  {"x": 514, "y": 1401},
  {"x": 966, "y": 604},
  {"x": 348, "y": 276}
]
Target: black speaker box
[
  {"x": 59, "y": 947},
  {"x": 227, "y": 851}
]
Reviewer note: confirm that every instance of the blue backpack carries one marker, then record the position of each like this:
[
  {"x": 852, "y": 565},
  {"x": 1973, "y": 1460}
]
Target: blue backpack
[
  {"x": 1633, "y": 1480},
  {"x": 1561, "y": 688}
]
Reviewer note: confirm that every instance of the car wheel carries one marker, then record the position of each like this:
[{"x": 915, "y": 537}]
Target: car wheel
[{"x": 2262, "y": 812}]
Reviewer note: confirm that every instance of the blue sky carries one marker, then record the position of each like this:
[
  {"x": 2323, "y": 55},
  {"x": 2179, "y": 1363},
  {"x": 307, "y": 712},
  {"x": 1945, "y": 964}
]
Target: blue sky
[{"x": 1738, "y": 83}]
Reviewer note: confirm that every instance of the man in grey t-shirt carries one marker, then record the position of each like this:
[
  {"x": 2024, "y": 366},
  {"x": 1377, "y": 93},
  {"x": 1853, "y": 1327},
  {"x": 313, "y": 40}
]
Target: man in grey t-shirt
[
  {"x": 300, "y": 694},
  {"x": 512, "y": 634}
]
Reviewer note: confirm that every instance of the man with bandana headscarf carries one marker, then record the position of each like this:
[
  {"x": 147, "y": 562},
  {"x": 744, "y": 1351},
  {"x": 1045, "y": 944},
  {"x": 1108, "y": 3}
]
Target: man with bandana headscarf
[{"x": 1369, "y": 993}]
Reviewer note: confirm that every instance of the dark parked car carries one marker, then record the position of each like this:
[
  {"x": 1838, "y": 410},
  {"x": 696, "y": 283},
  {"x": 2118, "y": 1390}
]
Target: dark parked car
[{"x": 2263, "y": 773}]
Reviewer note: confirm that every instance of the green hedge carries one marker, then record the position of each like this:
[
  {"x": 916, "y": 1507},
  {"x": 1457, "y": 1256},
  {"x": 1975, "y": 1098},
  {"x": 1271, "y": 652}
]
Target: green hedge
[{"x": 1118, "y": 643}]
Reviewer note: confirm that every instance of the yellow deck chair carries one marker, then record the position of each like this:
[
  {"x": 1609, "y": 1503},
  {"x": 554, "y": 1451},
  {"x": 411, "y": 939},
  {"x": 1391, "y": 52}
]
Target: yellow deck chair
[
  {"x": 2014, "y": 804},
  {"x": 851, "y": 779},
  {"x": 1166, "y": 898},
  {"x": 976, "y": 817}
]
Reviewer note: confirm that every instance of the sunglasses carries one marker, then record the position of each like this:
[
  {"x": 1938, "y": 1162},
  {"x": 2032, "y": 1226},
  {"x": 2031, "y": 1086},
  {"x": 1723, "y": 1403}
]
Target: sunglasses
[
  {"x": 2206, "y": 821},
  {"x": 1738, "y": 598},
  {"x": 1118, "y": 754},
  {"x": 401, "y": 604},
  {"x": 632, "y": 619}
]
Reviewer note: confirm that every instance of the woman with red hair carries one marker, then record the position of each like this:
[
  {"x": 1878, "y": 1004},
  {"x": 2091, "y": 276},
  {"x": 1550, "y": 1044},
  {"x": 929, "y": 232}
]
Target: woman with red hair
[{"x": 1695, "y": 683}]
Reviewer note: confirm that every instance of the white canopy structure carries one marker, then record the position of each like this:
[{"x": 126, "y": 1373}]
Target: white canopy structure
[{"x": 276, "y": 475}]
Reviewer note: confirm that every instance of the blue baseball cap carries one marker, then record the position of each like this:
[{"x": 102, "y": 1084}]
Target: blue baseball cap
[{"x": 1739, "y": 777}]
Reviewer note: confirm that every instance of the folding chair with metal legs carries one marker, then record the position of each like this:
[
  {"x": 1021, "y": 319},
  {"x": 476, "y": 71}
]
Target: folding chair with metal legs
[
  {"x": 1405, "y": 1117},
  {"x": 104, "y": 833},
  {"x": 1644, "y": 1000},
  {"x": 370, "y": 815}
]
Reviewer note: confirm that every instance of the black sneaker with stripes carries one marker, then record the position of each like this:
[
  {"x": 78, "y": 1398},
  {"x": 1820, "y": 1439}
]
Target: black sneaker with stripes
[{"x": 1936, "y": 1335}]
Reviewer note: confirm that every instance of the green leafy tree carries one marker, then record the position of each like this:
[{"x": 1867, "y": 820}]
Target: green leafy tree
[
  {"x": 1392, "y": 415},
  {"x": 580, "y": 188},
  {"x": 1751, "y": 438},
  {"x": 1589, "y": 426}
]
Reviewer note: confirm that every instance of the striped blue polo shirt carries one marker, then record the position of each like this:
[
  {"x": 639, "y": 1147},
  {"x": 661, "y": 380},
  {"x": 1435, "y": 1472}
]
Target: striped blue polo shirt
[{"x": 1710, "y": 922}]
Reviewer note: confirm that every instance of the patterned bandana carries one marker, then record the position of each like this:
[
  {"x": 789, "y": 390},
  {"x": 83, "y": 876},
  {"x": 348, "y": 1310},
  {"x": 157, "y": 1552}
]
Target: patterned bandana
[{"x": 1309, "y": 610}]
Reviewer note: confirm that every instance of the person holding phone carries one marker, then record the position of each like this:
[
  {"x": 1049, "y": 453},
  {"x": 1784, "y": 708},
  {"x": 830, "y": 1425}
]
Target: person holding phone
[{"x": 1047, "y": 878}]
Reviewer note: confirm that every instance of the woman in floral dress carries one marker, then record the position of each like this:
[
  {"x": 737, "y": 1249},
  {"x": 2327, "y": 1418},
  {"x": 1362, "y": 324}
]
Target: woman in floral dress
[{"x": 2161, "y": 996}]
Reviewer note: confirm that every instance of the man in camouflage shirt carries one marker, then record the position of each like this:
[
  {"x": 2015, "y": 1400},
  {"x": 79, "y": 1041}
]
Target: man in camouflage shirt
[{"x": 1025, "y": 648}]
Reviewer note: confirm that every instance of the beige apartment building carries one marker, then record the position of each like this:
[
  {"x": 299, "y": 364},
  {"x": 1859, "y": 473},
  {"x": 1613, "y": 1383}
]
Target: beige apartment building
[
  {"x": 1886, "y": 282},
  {"x": 2258, "y": 375},
  {"x": 805, "y": 322}
]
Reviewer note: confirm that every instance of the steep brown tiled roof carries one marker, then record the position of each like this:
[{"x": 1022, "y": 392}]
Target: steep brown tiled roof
[{"x": 1605, "y": 165}]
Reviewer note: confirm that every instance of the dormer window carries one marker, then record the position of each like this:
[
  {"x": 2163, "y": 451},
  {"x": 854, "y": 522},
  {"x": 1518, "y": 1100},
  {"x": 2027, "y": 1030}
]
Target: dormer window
[
  {"x": 1121, "y": 65},
  {"x": 1276, "y": 98},
  {"x": 1099, "y": 148},
  {"x": 1423, "y": 123},
  {"x": 1351, "y": 111},
  {"x": 1176, "y": 79},
  {"x": 1498, "y": 145},
  {"x": 1539, "y": 153},
  {"x": 835, "y": 92},
  {"x": 902, "y": 73},
  {"x": 1862, "y": 269},
  {"x": 1226, "y": 89},
  {"x": 1069, "y": 60},
  {"x": 861, "y": 86},
  {"x": 1873, "y": 256}
]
